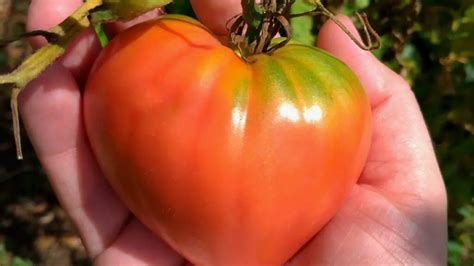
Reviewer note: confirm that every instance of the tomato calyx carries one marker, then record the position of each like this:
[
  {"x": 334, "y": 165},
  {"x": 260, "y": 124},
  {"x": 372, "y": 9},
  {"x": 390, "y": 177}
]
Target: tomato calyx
[{"x": 253, "y": 31}]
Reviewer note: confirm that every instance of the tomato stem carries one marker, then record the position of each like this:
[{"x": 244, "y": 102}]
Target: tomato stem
[
  {"x": 51, "y": 37},
  {"x": 253, "y": 31}
]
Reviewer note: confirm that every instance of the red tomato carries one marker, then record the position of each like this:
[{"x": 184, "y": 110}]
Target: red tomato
[{"x": 229, "y": 162}]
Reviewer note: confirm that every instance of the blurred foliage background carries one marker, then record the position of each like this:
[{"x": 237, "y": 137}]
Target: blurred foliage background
[{"x": 429, "y": 42}]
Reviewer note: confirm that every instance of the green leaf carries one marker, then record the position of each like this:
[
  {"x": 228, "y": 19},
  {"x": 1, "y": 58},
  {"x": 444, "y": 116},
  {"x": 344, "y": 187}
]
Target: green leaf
[
  {"x": 312, "y": 3},
  {"x": 17, "y": 261},
  {"x": 455, "y": 250},
  {"x": 128, "y": 9},
  {"x": 465, "y": 212},
  {"x": 354, "y": 6},
  {"x": 361, "y": 4},
  {"x": 469, "y": 68},
  {"x": 302, "y": 26},
  {"x": 4, "y": 256},
  {"x": 182, "y": 7},
  {"x": 103, "y": 39}
]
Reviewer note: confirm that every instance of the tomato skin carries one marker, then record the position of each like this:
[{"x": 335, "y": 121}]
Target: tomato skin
[{"x": 229, "y": 162}]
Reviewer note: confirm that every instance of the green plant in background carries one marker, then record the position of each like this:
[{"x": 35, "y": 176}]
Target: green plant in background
[
  {"x": 303, "y": 26},
  {"x": 460, "y": 249},
  {"x": 429, "y": 42},
  {"x": 8, "y": 259}
]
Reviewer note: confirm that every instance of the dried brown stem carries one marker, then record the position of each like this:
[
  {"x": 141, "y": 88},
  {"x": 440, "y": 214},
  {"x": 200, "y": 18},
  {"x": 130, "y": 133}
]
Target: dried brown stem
[
  {"x": 250, "y": 39},
  {"x": 372, "y": 39},
  {"x": 16, "y": 122}
]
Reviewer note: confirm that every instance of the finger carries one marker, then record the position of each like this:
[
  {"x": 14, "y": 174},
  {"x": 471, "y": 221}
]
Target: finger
[
  {"x": 216, "y": 13},
  {"x": 399, "y": 129},
  {"x": 51, "y": 111},
  {"x": 52, "y": 115},
  {"x": 138, "y": 246},
  {"x": 81, "y": 53},
  {"x": 45, "y": 14},
  {"x": 116, "y": 27}
]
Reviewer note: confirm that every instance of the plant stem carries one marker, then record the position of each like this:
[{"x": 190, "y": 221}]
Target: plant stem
[
  {"x": 67, "y": 31},
  {"x": 253, "y": 31},
  {"x": 16, "y": 122},
  {"x": 372, "y": 39},
  {"x": 248, "y": 7},
  {"x": 63, "y": 34}
]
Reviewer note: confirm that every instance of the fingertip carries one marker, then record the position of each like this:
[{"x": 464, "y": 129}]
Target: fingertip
[
  {"x": 50, "y": 109},
  {"x": 331, "y": 34},
  {"x": 116, "y": 27},
  {"x": 81, "y": 54},
  {"x": 45, "y": 14},
  {"x": 216, "y": 13}
]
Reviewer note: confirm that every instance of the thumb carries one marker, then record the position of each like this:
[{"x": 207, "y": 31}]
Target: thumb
[
  {"x": 216, "y": 13},
  {"x": 376, "y": 78}
]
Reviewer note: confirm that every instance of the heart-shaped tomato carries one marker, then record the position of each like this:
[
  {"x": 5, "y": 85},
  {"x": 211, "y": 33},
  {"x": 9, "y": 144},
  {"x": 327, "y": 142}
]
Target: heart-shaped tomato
[{"x": 228, "y": 161}]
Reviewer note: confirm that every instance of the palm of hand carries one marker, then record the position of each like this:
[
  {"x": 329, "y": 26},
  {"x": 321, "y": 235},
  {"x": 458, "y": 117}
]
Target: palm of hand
[{"x": 395, "y": 215}]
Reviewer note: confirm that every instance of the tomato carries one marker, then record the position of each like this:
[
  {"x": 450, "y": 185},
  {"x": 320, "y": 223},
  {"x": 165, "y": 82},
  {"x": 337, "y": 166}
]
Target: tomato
[{"x": 230, "y": 162}]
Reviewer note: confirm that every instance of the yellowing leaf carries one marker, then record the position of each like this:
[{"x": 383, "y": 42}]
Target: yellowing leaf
[{"x": 127, "y": 9}]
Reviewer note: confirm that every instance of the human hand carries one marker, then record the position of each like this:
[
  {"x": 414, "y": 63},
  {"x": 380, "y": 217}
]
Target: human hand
[{"x": 396, "y": 213}]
